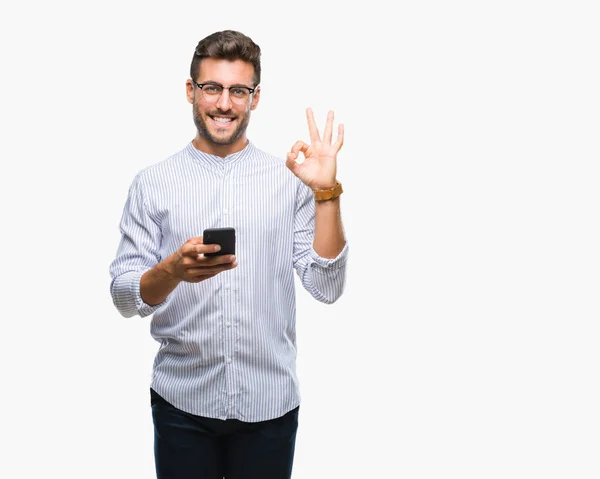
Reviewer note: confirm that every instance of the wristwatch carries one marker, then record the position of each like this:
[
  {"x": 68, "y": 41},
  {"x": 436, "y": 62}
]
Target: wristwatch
[{"x": 328, "y": 194}]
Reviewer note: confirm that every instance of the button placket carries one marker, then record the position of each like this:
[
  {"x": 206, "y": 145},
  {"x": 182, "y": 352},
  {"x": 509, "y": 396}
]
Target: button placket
[{"x": 227, "y": 290}]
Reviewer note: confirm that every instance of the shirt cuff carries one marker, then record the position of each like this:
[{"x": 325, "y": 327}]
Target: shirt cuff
[
  {"x": 330, "y": 263},
  {"x": 142, "y": 308}
]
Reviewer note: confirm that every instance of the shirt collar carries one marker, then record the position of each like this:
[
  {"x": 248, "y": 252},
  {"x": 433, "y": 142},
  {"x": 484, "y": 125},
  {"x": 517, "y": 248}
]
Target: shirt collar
[{"x": 215, "y": 160}]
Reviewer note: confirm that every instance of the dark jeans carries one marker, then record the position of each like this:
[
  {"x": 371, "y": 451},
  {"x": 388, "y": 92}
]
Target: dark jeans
[{"x": 195, "y": 447}]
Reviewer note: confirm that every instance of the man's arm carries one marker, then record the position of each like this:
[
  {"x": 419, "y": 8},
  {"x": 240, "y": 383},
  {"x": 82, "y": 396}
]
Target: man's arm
[
  {"x": 157, "y": 284},
  {"x": 141, "y": 280},
  {"x": 320, "y": 248},
  {"x": 329, "y": 233},
  {"x": 322, "y": 272},
  {"x": 138, "y": 252},
  {"x": 318, "y": 171}
]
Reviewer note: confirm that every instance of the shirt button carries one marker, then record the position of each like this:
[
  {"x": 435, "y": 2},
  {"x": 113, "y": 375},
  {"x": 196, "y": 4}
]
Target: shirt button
[
  {"x": 225, "y": 211},
  {"x": 228, "y": 324},
  {"x": 228, "y": 360},
  {"x": 226, "y": 286}
]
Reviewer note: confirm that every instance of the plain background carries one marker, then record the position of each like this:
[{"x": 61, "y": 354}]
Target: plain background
[{"x": 466, "y": 344}]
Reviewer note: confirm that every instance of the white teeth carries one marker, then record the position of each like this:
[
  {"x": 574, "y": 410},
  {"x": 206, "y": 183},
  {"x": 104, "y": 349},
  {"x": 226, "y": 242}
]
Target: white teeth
[{"x": 222, "y": 120}]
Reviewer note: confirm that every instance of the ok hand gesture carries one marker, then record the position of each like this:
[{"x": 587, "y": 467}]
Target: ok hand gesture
[{"x": 318, "y": 170}]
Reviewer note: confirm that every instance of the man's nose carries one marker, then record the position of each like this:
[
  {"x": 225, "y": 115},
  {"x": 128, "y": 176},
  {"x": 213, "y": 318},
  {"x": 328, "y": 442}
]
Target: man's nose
[{"x": 224, "y": 102}]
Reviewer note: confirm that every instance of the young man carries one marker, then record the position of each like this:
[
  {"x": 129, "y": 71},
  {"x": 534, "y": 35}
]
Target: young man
[{"x": 224, "y": 390}]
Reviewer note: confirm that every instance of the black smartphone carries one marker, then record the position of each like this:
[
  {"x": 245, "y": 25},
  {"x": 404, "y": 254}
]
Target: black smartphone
[{"x": 221, "y": 236}]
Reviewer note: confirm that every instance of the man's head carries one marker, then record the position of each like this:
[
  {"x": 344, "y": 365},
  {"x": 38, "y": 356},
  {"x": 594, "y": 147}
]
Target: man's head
[{"x": 223, "y": 89}]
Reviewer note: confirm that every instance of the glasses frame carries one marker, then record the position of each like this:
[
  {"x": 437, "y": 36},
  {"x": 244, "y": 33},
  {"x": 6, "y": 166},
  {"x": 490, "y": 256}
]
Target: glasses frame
[{"x": 200, "y": 85}]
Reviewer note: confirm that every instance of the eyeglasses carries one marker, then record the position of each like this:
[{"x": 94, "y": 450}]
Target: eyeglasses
[{"x": 211, "y": 92}]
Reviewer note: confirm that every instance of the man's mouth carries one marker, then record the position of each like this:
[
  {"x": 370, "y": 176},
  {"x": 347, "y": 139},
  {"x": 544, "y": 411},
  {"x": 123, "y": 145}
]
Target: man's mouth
[{"x": 222, "y": 121}]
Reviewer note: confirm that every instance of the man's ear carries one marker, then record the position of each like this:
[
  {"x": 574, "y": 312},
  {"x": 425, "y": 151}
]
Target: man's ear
[
  {"x": 255, "y": 98},
  {"x": 189, "y": 91}
]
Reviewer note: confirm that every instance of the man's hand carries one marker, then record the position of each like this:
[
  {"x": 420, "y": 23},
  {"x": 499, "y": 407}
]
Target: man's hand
[
  {"x": 186, "y": 264},
  {"x": 318, "y": 170},
  {"x": 189, "y": 264}
]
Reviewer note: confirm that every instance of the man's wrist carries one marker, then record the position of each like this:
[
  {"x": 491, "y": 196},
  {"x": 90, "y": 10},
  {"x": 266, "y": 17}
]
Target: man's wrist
[
  {"x": 328, "y": 194},
  {"x": 166, "y": 269}
]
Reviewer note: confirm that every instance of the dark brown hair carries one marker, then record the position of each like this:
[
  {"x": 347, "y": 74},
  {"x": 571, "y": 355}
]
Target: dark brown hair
[{"x": 227, "y": 45}]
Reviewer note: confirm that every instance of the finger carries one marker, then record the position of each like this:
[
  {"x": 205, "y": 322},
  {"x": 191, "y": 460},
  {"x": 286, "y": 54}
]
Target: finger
[
  {"x": 188, "y": 246},
  {"x": 298, "y": 147},
  {"x": 312, "y": 126},
  {"x": 193, "y": 250},
  {"x": 212, "y": 270},
  {"x": 205, "y": 261},
  {"x": 328, "y": 128},
  {"x": 292, "y": 164},
  {"x": 340, "y": 138}
]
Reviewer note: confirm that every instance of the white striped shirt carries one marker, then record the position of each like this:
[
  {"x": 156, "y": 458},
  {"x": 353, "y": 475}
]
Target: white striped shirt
[{"x": 227, "y": 344}]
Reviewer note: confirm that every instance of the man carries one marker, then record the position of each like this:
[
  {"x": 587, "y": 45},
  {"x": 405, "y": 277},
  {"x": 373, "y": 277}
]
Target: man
[{"x": 224, "y": 389}]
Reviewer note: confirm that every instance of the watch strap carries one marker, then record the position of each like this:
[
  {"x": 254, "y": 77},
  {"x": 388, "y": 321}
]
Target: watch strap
[{"x": 329, "y": 193}]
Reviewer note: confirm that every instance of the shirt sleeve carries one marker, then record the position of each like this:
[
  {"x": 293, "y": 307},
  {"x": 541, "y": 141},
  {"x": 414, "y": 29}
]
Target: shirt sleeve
[
  {"x": 323, "y": 278},
  {"x": 137, "y": 253}
]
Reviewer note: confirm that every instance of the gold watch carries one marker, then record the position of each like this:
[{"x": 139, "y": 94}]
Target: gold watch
[{"x": 328, "y": 194}]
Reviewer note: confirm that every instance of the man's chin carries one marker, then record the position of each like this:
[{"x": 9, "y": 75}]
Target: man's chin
[{"x": 222, "y": 140}]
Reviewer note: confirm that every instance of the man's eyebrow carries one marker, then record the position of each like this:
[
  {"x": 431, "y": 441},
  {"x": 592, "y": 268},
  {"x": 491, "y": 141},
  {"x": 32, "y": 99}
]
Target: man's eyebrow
[{"x": 210, "y": 82}]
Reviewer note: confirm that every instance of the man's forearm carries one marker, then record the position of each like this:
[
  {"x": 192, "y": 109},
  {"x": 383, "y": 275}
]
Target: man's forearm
[
  {"x": 156, "y": 284},
  {"x": 329, "y": 233}
]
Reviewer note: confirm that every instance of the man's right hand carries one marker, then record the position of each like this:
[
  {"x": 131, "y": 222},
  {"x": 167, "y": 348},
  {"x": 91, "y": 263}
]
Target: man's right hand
[{"x": 189, "y": 264}]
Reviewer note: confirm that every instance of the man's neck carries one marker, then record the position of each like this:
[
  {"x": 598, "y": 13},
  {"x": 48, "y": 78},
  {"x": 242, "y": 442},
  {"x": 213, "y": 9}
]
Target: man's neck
[{"x": 210, "y": 148}]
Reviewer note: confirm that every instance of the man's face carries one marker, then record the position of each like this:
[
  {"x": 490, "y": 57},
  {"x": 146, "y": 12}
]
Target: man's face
[{"x": 222, "y": 121}]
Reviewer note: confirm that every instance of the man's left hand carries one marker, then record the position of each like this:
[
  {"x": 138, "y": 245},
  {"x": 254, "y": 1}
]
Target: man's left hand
[{"x": 318, "y": 169}]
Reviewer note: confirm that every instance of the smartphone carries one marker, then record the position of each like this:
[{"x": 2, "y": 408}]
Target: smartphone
[{"x": 221, "y": 236}]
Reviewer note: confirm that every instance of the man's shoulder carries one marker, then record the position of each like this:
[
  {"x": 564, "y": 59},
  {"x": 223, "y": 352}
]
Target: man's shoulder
[
  {"x": 158, "y": 169},
  {"x": 273, "y": 162},
  {"x": 266, "y": 157}
]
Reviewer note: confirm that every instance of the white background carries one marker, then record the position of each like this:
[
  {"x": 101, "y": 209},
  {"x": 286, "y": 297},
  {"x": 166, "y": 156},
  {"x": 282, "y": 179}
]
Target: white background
[{"x": 466, "y": 343}]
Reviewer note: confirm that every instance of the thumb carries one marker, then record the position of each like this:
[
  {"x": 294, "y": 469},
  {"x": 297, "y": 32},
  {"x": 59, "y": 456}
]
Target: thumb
[{"x": 291, "y": 163}]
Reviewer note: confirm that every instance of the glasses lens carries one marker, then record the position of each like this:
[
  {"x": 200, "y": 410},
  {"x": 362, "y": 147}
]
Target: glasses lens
[
  {"x": 238, "y": 95},
  {"x": 212, "y": 92}
]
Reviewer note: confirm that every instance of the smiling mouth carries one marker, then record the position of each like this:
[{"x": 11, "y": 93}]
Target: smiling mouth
[{"x": 222, "y": 121}]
